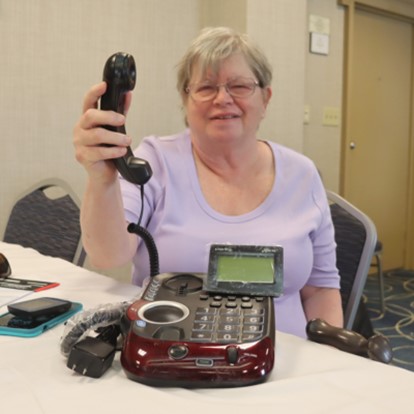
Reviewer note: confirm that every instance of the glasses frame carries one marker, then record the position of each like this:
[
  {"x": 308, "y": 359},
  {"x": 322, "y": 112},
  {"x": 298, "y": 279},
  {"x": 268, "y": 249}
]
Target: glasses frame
[{"x": 189, "y": 89}]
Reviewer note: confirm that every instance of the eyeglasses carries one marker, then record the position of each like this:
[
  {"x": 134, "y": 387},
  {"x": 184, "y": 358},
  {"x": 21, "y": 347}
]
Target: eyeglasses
[
  {"x": 236, "y": 88},
  {"x": 5, "y": 269}
]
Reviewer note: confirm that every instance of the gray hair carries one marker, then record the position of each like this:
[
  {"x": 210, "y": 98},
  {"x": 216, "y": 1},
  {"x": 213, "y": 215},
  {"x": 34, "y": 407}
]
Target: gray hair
[{"x": 215, "y": 44}]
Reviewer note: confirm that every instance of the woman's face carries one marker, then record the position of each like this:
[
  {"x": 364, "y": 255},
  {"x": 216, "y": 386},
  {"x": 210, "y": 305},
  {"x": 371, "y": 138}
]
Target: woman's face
[{"x": 225, "y": 119}]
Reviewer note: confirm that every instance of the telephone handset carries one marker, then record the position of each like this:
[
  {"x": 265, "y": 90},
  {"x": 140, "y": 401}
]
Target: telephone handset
[{"x": 120, "y": 75}]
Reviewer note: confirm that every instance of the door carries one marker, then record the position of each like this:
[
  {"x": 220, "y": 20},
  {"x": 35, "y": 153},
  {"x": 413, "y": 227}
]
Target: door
[{"x": 377, "y": 142}]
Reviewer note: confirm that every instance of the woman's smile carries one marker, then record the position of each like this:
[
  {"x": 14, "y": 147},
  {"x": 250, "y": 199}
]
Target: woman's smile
[{"x": 226, "y": 116}]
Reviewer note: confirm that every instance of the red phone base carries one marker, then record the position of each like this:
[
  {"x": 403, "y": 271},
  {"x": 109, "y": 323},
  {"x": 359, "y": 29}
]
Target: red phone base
[{"x": 196, "y": 365}]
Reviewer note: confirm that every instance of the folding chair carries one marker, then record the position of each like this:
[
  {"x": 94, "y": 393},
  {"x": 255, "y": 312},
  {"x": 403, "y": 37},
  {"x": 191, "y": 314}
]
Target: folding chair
[
  {"x": 46, "y": 218},
  {"x": 356, "y": 237}
]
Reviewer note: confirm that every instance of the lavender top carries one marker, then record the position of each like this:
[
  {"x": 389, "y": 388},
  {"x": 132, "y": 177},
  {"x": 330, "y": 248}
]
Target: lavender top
[{"x": 295, "y": 215}]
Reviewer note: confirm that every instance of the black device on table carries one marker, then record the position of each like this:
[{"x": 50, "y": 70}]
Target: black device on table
[
  {"x": 35, "y": 308},
  {"x": 35, "y": 316}
]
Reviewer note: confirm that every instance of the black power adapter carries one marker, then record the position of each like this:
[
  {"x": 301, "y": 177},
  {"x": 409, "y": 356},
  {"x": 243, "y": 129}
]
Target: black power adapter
[{"x": 92, "y": 356}]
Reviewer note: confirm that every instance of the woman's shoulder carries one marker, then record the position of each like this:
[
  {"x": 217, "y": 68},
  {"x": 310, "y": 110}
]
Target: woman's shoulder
[
  {"x": 177, "y": 140},
  {"x": 290, "y": 157},
  {"x": 166, "y": 153},
  {"x": 298, "y": 171}
]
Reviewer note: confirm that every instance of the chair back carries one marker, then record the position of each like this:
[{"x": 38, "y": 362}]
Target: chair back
[
  {"x": 46, "y": 218},
  {"x": 355, "y": 236}
]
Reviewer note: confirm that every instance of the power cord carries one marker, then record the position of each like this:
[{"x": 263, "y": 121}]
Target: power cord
[{"x": 92, "y": 356}]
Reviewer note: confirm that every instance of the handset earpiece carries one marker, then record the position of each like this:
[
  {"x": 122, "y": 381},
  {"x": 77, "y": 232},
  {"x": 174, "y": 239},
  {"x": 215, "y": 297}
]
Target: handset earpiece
[{"x": 120, "y": 76}]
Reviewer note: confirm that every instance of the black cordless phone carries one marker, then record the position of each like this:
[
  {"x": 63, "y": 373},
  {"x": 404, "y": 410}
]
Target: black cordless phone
[{"x": 120, "y": 75}]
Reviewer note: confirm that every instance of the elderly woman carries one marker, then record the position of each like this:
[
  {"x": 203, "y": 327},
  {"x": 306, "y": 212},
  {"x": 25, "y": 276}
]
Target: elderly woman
[{"x": 215, "y": 182}]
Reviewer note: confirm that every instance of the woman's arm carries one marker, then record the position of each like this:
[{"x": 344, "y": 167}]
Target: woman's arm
[
  {"x": 104, "y": 230},
  {"x": 104, "y": 233},
  {"x": 324, "y": 303}
]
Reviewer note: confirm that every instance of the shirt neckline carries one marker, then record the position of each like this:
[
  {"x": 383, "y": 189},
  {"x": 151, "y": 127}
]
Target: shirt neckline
[{"x": 196, "y": 189}]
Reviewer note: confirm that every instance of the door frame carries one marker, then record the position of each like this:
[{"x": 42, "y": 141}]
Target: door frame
[{"x": 397, "y": 10}]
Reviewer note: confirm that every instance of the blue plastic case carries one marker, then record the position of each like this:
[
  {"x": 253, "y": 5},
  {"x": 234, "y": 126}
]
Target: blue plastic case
[{"x": 39, "y": 329}]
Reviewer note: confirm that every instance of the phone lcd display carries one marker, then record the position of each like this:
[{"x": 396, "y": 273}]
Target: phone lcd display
[{"x": 245, "y": 269}]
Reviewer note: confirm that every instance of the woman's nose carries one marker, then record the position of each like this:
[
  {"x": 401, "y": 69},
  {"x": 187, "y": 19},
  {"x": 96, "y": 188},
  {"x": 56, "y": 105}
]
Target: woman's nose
[{"x": 223, "y": 94}]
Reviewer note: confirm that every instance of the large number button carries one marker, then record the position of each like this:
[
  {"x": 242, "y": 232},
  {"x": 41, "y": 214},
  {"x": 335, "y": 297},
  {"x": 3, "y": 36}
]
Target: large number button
[
  {"x": 235, "y": 320},
  {"x": 227, "y": 336},
  {"x": 251, "y": 337},
  {"x": 254, "y": 311},
  {"x": 202, "y": 327},
  {"x": 253, "y": 320},
  {"x": 202, "y": 336},
  {"x": 203, "y": 311},
  {"x": 252, "y": 329},
  {"x": 230, "y": 312},
  {"x": 203, "y": 318},
  {"x": 228, "y": 328}
]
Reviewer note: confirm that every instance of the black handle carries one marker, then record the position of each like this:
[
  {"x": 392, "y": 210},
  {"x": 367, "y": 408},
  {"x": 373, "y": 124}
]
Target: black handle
[{"x": 376, "y": 347}]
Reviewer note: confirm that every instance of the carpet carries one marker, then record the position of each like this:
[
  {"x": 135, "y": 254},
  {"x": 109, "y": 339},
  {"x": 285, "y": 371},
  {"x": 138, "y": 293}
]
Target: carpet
[{"x": 397, "y": 323}]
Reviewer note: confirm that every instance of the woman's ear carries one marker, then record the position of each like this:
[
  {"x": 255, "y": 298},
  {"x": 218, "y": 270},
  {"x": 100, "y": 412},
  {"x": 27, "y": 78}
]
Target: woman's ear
[{"x": 267, "y": 94}]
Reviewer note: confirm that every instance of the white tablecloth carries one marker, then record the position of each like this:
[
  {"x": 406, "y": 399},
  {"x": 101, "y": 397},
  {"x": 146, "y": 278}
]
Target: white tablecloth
[{"x": 307, "y": 378}]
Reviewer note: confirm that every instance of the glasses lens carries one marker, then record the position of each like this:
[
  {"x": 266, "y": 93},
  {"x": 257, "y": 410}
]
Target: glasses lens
[
  {"x": 203, "y": 91},
  {"x": 241, "y": 88},
  {"x": 238, "y": 88},
  {"x": 5, "y": 269}
]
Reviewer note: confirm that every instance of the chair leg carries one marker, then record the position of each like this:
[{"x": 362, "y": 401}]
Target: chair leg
[{"x": 380, "y": 282}]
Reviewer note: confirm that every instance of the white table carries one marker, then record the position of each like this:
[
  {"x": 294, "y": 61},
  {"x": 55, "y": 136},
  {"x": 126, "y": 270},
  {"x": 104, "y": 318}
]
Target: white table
[{"x": 307, "y": 378}]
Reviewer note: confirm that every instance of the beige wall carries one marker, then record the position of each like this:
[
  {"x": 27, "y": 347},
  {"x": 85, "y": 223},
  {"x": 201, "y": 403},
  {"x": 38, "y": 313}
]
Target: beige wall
[
  {"x": 53, "y": 50},
  {"x": 279, "y": 26},
  {"x": 323, "y": 89}
]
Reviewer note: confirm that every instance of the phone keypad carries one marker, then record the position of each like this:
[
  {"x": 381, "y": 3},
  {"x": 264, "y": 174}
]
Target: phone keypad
[{"x": 229, "y": 319}]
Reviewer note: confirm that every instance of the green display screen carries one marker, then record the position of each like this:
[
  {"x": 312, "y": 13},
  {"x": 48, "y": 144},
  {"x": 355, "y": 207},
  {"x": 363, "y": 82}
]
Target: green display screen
[{"x": 245, "y": 269}]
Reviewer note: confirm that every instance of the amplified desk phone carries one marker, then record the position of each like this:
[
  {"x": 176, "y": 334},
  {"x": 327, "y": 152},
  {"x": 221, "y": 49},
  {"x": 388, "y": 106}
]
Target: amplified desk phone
[{"x": 183, "y": 333}]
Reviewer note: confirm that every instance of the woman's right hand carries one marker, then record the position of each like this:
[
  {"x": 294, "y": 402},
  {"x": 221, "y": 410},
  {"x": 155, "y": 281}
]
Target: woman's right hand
[{"x": 89, "y": 137}]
